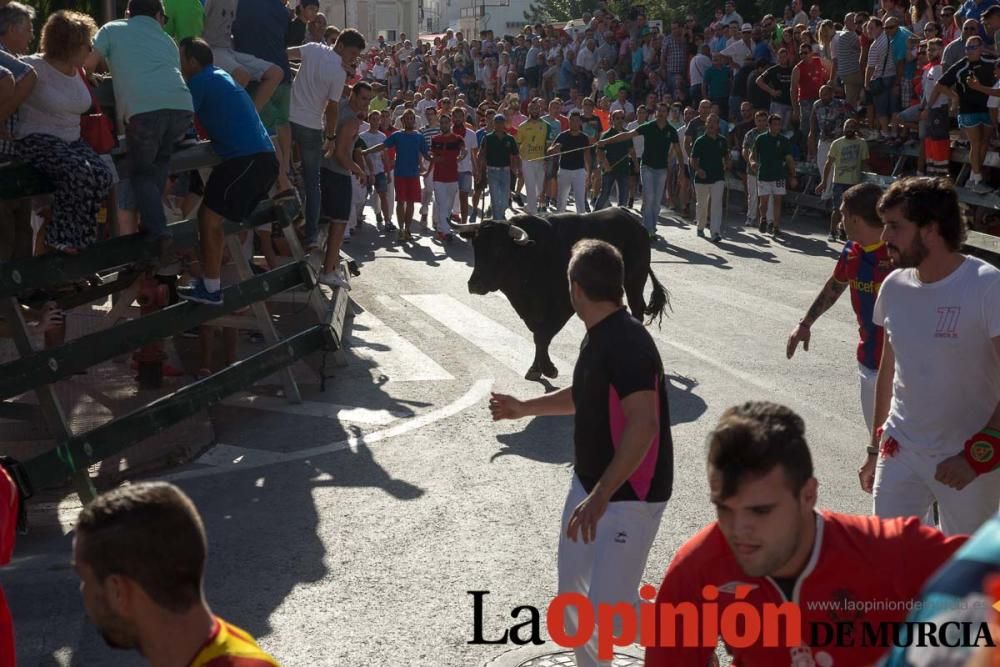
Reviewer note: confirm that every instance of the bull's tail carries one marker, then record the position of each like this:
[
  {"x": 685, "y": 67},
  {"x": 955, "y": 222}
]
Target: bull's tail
[{"x": 658, "y": 300}]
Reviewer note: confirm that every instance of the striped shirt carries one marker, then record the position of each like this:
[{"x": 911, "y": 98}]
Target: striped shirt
[
  {"x": 847, "y": 50},
  {"x": 229, "y": 646},
  {"x": 883, "y": 66}
]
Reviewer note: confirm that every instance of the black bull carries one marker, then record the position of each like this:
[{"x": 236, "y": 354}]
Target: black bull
[{"x": 528, "y": 257}]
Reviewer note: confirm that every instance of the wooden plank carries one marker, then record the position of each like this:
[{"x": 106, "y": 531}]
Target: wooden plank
[
  {"x": 985, "y": 246},
  {"x": 50, "y": 365},
  {"x": 55, "y": 269},
  {"x": 80, "y": 452}
]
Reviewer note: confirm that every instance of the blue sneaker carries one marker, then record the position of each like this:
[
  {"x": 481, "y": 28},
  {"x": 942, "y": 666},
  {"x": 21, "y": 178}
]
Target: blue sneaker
[{"x": 199, "y": 294}]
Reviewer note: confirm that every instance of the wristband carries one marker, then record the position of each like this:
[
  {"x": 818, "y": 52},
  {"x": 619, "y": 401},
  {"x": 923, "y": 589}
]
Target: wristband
[
  {"x": 872, "y": 450},
  {"x": 982, "y": 451}
]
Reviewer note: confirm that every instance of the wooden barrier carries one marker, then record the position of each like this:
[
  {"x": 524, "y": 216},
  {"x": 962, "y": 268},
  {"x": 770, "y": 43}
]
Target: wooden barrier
[{"x": 120, "y": 262}]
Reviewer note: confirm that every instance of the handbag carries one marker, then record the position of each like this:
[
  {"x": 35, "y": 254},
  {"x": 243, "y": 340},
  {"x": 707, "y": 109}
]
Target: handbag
[
  {"x": 877, "y": 86},
  {"x": 95, "y": 128}
]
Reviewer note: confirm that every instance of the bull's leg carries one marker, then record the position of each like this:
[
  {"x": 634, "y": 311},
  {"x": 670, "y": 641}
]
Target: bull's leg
[
  {"x": 542, "y": 365},
  {"x": 636, "y": 302}
]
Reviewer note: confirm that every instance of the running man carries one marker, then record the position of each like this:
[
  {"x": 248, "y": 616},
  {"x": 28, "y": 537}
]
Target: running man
[
  {"x": 249, "y": 166},
  {"x": 771, "y": 542},
  {"x": 939, "y": 378},
  {"x": 771, "y": 158},
  {"x": 862, "y": 267},
  {"x": 409, "y": 145},
  {"x": 377, "y": 175},
  {"x": 140, "y": 553},
  {"x": 467, "y": 163},
  {"x": 710, "y": 162},
  {"x": 753, "y": 203},
  {"x": 846, "y": 159},
  {"x": 623, "y": 460}
]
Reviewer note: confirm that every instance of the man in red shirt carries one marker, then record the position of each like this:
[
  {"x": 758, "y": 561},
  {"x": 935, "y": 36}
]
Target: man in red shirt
[
  {"x": 447, "y": 149},
  {"x": 849, "y": 577},
  {"x": 807, "y": 78}
]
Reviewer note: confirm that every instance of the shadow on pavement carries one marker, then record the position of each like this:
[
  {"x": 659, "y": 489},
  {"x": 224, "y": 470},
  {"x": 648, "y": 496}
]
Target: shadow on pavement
[
  {"x": 685, "y": 405},
  {"x": 810, "y": 246},
  {"x": 688, "y": 257},
  {"x": 544, "y": 439}
]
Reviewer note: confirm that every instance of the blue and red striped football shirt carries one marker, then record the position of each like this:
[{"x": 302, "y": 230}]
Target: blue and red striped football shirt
[{"x": 864, "y": 268}]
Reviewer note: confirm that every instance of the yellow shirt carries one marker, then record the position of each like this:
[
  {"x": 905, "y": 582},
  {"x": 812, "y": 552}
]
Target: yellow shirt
[
  {"x": 531, "y": 139},
  {"x": 229, "y": 646}
]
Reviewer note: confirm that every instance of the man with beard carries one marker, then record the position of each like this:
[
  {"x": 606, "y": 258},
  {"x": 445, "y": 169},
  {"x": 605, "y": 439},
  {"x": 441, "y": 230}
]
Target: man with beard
[
  {"x": 140, "y": 553},
  {"x": 409, "y": 145},
  {"x": 615, "y": 164},
  {"x": 771, "y": 546},
  {"x": 776, "y": 81},
  {"x": 844, "y": 161},
  {"x": 939, "y": 378}
]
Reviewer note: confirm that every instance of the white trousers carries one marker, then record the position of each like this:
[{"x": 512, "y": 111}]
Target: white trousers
[
  {"x": 823, "y": 152},
  {"x": 753, "y": 204},
  {"x": 534, "y": 177},
  {"x": 444, "y": 197},
  {"x": 609, "y": 569},
  {"x": 905, "y": 486},
  {"x": 709, "y": 198},
  {"x": 426, "y": 192},
  {"x": 867, "y": 378},
  {"x": 577, "y": 180}
]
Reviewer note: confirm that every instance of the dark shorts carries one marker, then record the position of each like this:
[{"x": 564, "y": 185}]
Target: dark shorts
[
  {"x": 237, "y": 185},
  {"x": 335, "y": 195},
  {"x": 551, "y": 166},
  {"x": 381, "y": 183},
  {"x": 408, "y": 189}
]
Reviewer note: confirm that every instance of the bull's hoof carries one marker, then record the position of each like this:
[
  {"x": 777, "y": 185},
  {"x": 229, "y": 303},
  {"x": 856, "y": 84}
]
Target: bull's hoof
[
  {"x": 550, "y": 372},
  {"x": 533, "y": 374}
]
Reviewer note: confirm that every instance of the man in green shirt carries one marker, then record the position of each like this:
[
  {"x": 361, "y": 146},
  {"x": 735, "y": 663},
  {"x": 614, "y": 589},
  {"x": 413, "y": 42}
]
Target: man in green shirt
[
  {"x": 614, "y": 85},
  {"x": 709, "y": 162},
  {"x": 378, "y": 101},
  {"x": 501, "y": 154},
  {"x": 615, "y": 164},
  {"x": 660, "y": 141},
  {"x": 771, "y": 158},
  {"x": 185, "y": 18},
  {"x": 845, "y": 162}
]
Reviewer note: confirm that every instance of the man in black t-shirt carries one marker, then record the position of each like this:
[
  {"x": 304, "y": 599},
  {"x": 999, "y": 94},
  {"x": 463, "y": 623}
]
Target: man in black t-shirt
[
  {"x": 623, "y": 452},
  {"x": 574, "y": 163},
  {"x": 777, "y": 82}
]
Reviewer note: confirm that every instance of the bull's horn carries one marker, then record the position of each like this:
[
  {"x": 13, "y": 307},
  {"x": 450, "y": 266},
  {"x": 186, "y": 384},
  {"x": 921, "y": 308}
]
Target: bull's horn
[
  {"x": 519, "y": 236},
  {"x": 466, "y": 228}
]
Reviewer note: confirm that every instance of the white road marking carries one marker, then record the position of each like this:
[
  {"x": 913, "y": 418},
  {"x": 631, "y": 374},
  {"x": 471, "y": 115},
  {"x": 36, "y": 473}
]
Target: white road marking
[
  {"x": 510, "y": 349},
  {"x": 247, "y": 459},
  {"x": 343, "y": 413},
  {"x": 392, "y": 355}
]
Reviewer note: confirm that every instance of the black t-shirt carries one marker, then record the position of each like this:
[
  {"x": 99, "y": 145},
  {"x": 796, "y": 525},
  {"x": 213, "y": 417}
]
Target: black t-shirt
[
  {"x": 758, "y": 97},
  {"x": 295, "y": 35},
  {"x": 569, "y": 142},
  {"x": 740, "y": 80},
  {"x": 969, "y": 100},
  {"x": 780, "y": 78},
  {"x": 618, "y": 358}
]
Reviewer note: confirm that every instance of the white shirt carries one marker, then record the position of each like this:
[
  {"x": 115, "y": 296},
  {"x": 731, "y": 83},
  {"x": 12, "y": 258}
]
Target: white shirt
[
  {"x": 627, "y": 107},
  {"x": 321, "y": 79},
  {"x": 696, "y": 70},
  {"x": 586, "y": 59},
  {"x": 471, "y": 144},
  {"x": 371, "y": 140},
  {"x": 424, "y": 104},
  {"x": 947, "y": 379},
  {"x": 738, "y": 51},
  {"x": 55, "y": 103},
  {"x": 638, "y": 141},
  {"x": 378, "y": 72}
]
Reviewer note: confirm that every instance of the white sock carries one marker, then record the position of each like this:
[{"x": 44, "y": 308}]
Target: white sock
[{"x": 212, "y": 284}]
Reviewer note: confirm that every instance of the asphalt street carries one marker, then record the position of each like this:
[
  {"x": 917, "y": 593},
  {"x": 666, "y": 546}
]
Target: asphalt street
[{"x": 349, "y": 529}]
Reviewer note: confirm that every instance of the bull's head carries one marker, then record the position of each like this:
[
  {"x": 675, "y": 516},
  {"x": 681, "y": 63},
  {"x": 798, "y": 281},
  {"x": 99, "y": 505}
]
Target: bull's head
[{"x": 495, "y": 246}]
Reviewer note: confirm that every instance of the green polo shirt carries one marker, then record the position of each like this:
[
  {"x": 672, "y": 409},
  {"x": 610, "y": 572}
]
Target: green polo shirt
[
  {"x": 770, "y": 150},
  {"x": 656, "y": 149},
  {"x": 499, "y": 149},
  {"x": 185, "y": 18},
  {"x": 617, "y": 154},
  {"x": 145, "y": 66},
  {"x": 711, "y": 155}
]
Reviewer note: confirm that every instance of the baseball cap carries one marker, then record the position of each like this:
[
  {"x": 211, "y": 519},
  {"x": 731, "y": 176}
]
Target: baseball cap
[
  {"x": 746, "y": 28},
  {"x": 500, "y": 117}
]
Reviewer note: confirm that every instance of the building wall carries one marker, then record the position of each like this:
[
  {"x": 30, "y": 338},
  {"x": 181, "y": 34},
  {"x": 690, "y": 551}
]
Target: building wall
[
  {"x": 501, "y": 20},
  {"x": 393, "y": 17}
]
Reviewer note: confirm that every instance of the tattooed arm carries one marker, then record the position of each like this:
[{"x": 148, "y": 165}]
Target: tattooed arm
[{"x": 826, "y": 298}]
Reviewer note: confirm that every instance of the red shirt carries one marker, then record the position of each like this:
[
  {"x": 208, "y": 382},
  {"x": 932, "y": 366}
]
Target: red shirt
[
  {"x": 854, "y": 558},
  {"x": 864, "y": 269},
  {"x": 9, "y": 502},
  {"x": 812, "y": 76},
  {"x": 445, "y": 148}
]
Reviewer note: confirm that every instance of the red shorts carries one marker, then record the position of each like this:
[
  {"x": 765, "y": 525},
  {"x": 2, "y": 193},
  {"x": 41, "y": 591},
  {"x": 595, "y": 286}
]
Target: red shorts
[{"x": 407, "y": 188}]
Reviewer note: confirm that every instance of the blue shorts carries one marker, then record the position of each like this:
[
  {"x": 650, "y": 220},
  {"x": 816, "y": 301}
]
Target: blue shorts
[
  {"x": 465, "y": 181},
  {"x": 381, "y": 183},
  {"x": 974, "y": 119},
  {"x": 838, "y": 194}
]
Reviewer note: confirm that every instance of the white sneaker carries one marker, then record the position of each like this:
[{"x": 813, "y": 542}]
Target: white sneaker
[{"x": 335, "y": 279}]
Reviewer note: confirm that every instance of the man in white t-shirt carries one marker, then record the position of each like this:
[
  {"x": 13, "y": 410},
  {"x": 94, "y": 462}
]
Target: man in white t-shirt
[
  {"x": 316, "y": 93},
  {"x": 379, "y": 181},
  {"x": 939, "y": 378},
  {"x": 467, "y": 163}
]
